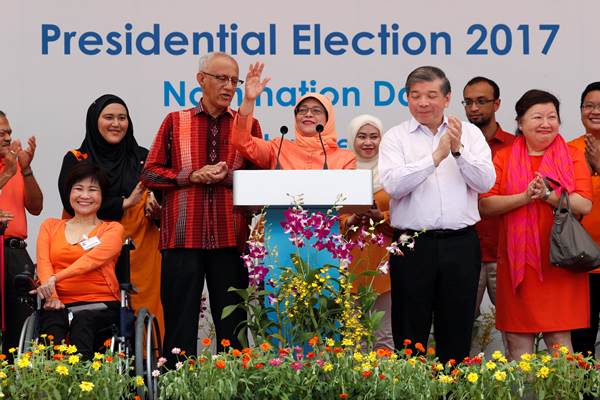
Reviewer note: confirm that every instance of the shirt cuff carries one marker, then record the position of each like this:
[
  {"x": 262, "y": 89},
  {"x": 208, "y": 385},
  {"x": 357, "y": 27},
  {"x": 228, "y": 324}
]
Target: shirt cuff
[{"x": 183, "y": 178}]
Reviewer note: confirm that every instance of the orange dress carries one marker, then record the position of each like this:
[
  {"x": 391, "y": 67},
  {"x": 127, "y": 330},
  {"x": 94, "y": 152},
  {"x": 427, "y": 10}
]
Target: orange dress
[
  {"x": 81, "y": 275},
  {"x": 591, "y": 222},
  {"x": 370, "y": 256},
  {"x": 561, "y": 301}
]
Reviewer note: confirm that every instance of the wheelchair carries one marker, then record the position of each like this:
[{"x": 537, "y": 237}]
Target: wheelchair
[{"x": 137, "y": 336}]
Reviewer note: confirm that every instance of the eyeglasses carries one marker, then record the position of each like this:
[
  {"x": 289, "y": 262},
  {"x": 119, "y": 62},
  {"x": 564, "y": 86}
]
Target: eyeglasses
[
  {"x": 314, "y": 110},
  {"x": 589, "y": 107},
  {"x": 224, "y": 79},
  {"x": 479, "y": 102}
]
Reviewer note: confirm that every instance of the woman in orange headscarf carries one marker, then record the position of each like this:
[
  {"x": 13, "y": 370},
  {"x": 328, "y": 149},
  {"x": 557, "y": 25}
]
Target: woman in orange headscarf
[{"x": 305, "y": 152}]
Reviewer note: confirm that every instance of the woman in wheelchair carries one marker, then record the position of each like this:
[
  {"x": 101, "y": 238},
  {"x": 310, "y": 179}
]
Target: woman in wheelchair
[{"x": 76, "y": 266}]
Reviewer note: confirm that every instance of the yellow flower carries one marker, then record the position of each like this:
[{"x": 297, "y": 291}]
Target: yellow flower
[
  {"x": 525, "y": 366},
  {"x": 496, "y": 355},
  {"x": 473, "y": 377},
  {"x": 41, "y": 347},
  {"x": 347, "y": 342},
  {"x": 546, "y": 358},
  {"x": 2, "y": 375},
  {"x": 490, "y": 365},
  {"x": 366, "y": 366},
  {"x": 358, "y": 356},
  {"x": 412, "y": 361},
  {"x": 330, "y": 342},
  {"x": 327, "y": 367},
  {"x": 526, "y": 357},
  {"x": 12, "y": 350},
  {"x": 98, "y": 356},
  {"x": 62, "y": 370},
  {"x": 445, "y": 379},
  {"x": 72, "y": 349},
  {"x": 500, "y": 376},
  {"x": 564, "y": 350},
  {"x": 86, "y": 386},
  {"x": 502, "y": 360},
  {"x": 43, "y": 335},
  {"x": 73, "y": 359},
  {"x": 439, "y": 367},
  {"x": 139, "y": 381},
  {"x": 372, "y": 357},
  {"x": 96, "y": 365},
  {"x": 23, "y": 362},
  {"x": 62, "y": 348},
  {"x": 543, "y": 372}
]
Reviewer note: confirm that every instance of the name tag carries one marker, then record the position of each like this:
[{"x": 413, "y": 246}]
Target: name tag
[{"x": 90, "y": 243}]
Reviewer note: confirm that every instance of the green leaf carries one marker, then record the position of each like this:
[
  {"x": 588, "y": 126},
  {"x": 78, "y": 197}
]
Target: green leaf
[{"x": 228, "y": 310}]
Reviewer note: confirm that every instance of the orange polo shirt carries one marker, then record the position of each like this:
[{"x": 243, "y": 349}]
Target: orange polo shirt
[
  {"x": 591, "y": 222},
  {"x": 488, "y": 228},
  {"x": 12, "y": 199},
  {"x": 81, "y": 275}
]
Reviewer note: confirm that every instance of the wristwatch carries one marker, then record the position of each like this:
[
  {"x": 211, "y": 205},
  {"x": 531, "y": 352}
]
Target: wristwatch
[{"x": 456, "y": 154}]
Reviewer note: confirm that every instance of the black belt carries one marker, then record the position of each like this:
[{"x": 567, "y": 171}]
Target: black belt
[
  {"x": 15, "y": 243},
  {"x": 436, "y": 233}
]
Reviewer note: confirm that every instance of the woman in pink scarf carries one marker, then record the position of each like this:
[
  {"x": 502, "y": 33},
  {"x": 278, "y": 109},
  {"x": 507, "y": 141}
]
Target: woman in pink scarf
[{"x": 534, "y": 296}]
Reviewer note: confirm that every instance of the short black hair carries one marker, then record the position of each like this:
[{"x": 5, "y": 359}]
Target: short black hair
[
  {"x": 530, "y": 99},
  {"x": 479, "y": 79},
  {"x": 589, "y": 88},
  {"x": 83, "y": 170},
  {"x": 2, "y": 114}
]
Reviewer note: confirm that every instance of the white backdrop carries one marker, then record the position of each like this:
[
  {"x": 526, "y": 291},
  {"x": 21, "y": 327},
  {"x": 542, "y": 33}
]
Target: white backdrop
[{"x": 50, "y": 75}]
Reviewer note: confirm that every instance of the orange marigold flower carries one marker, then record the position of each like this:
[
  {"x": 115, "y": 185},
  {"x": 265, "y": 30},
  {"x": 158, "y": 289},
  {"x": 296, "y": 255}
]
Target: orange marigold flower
[
  {"x": 202, "y": 359},
  {"x": 109, "y": 359},
  {"x": 121, "y": 355},
  {"x": 555, "y": 354},
  {"x": 247, "y": 350},
  {"x": 182, "y": 353},
  {"x": 408, "y": 352},
  {"x": 259, "y": 365},
  {"x": 381, "y": 376},
  {"x": 420, "y": 347},
  {"x": 282, "y": 352},
  {"x": 220, "y": 364},
  {"x": 58, "y": 356},
  {"x": 225, "y": 343},
  {"x": 455, "y": 372},
  {"x": 2, "y": 357},
  {"x": 313, "y": 341},
  {"x": 366, "y": 374},
  {"x": 431, "y": 351},
  {"x": 556, "y": 346},
  {"x": 407, "y": 342},
  {"x": 137, "y": 397},
  {"x": 266, "y": 347},
  {"x": 310, "y": 355},
  {"x": 236, "y": 353},
  {"x": 338, "y": 350},
  {"x": 50, "y": 337},
  {"x": 206, "y": 342},
  {"x": 344, "y": 395},
  {"x": 107, "y": 342},
  {"x": 452, "y": 362}
]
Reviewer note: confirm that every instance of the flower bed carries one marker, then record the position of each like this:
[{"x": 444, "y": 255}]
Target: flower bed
[{"x": 332, "y": 371}]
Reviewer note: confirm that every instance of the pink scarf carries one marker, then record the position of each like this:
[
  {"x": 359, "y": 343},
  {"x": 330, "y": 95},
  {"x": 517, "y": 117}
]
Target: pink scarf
[{"x": 523, "y": 236}]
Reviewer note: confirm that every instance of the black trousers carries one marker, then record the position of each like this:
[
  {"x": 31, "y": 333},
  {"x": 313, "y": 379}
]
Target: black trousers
[
  {"x": 436, "y": 281},
  {"x": 16, "y": 261},
  {"x": 88, "y": 328},
  {"x": 584, "y": 340},
  {"x": 183, "y": 274}
]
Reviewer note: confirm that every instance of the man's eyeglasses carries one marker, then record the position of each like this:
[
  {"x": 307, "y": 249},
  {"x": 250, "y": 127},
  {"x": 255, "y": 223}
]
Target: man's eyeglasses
[
  {"x": 223, "y": 79},
  {"x": 479, "y": 102},
  {"x": 313, "y": 110},
  {"x": 589, "y": 107}
]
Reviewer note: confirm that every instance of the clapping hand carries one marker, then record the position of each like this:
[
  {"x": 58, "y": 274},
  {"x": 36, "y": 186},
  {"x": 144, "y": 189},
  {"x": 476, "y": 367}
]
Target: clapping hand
[
  {"x": 454, "y": 130},
  {"x": 592, "y": 152}
]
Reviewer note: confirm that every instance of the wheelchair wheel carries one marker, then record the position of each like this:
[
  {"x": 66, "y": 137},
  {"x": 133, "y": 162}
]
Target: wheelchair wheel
[
  {"x": 148, "y": 349},
  {"x": 28, "y": 333}
]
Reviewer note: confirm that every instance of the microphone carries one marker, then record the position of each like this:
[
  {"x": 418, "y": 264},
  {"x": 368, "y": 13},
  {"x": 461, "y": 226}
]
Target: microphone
[
  {"x": 283, "y": 130},
  {"x": 319, "y": 128}
]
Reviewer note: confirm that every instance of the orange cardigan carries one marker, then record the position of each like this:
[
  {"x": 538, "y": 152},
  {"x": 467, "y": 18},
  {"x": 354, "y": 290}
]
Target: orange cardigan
[{"x": 80, "y": 275}]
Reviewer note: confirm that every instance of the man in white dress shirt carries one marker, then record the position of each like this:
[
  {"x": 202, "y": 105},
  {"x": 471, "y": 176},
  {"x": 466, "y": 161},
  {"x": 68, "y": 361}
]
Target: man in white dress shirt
[{"x": 434, "y": 166}]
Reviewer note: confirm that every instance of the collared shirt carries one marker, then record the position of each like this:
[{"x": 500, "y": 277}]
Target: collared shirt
[
  {"x": 489, "y": 228},
  {"x": 196, "y": 215},
  {"x": 426, "y": 197},
  {"x": 12, "y": 199}
]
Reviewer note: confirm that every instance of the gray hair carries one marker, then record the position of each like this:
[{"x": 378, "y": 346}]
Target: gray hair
[
  {"x": 207, "y": 58},
  {"x": 428, "y": 74}
]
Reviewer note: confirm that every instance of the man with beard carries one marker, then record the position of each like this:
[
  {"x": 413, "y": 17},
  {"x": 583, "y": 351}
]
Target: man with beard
[
  {"x": 481, "y": 98},
  {"x": 19, "y": 191}
]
